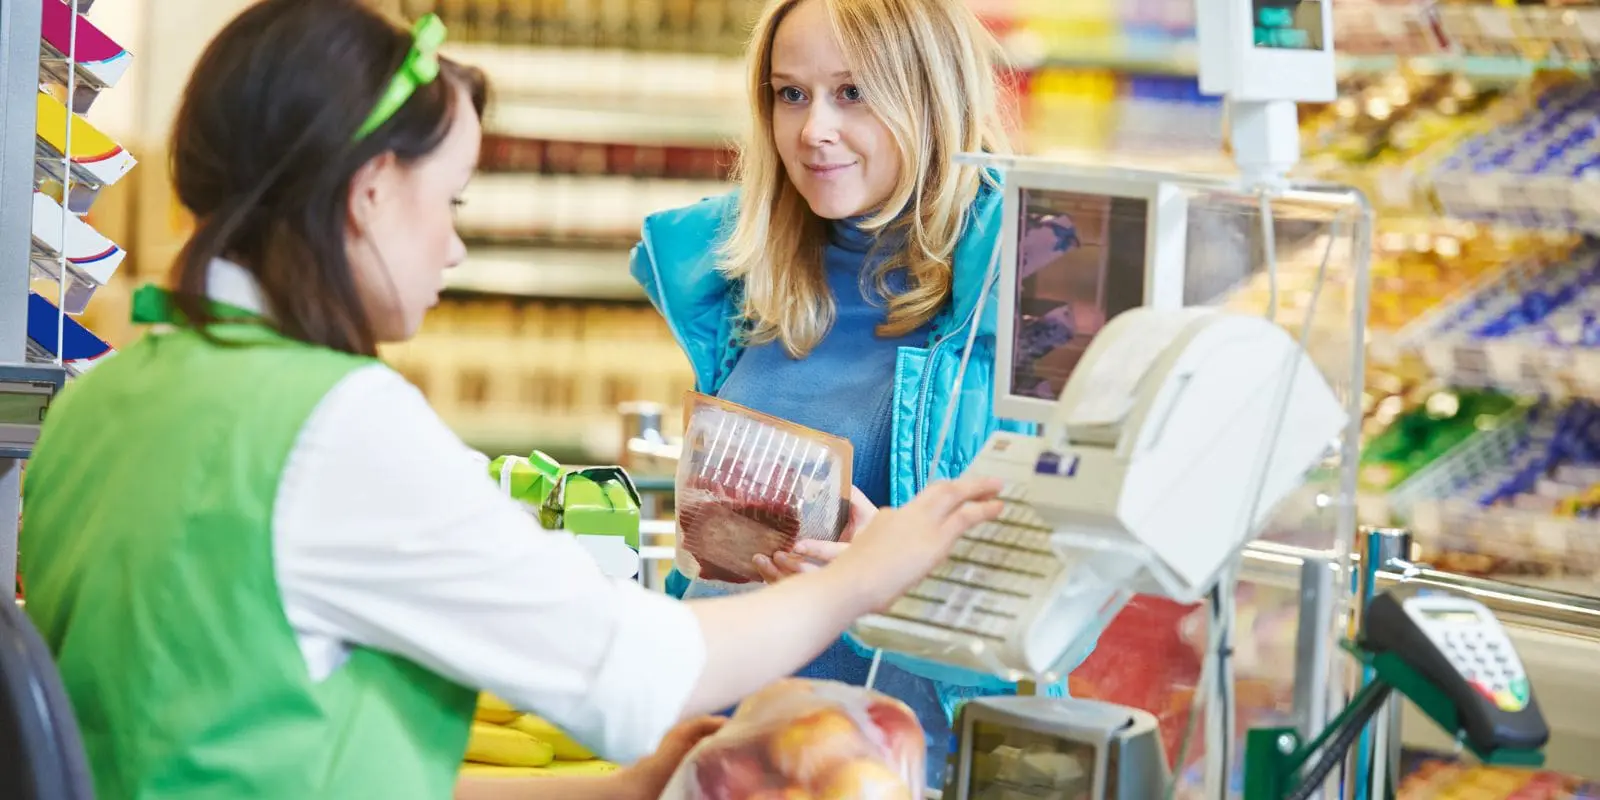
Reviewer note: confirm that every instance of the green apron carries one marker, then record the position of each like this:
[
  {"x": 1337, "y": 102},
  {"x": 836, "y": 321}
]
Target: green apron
[{"x": 147, "y": 551}]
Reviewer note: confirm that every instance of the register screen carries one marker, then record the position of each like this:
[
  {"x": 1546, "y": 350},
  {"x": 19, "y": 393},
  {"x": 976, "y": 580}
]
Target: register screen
[{"x": 1080, "y": 261}]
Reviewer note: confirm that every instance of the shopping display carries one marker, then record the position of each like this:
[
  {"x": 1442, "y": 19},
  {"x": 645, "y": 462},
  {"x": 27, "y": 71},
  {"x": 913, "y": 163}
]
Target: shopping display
[
  {"x": 74, "y": 161},
  {"x": 800, "y": 739},
  {"x": 749, "y": 484}
]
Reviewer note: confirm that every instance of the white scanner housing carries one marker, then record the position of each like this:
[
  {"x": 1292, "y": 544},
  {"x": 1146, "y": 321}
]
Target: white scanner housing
[{"x": 1176, "y": 436}]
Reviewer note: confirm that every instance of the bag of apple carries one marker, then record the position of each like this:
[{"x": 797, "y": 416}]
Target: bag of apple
[
  {"x": 749, "y": 484},
  {"x": 808, "y": 740}
]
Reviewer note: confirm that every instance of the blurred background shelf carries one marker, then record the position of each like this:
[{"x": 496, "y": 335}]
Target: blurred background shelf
[{"x": 547, "y": 273}]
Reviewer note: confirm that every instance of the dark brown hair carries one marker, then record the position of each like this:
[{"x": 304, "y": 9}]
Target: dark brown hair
[{"x": 264, "y": 150}]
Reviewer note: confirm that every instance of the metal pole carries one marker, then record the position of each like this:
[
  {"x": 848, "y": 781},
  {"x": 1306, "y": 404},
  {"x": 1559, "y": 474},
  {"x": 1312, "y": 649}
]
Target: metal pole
[
  {"x": 1381, "y": 752},
  {"x": 19, "y": 86},
  {"x": 1311, "y": 669},
  {"x": 642, "y": 420}
]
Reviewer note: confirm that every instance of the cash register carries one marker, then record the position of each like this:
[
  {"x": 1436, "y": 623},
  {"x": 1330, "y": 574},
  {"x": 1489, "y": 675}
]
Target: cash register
[{"x": 1167, "y": 436}]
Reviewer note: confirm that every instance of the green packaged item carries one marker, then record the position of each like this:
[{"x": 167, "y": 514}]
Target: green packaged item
[
  {"x": 589, "y": 501},
  {"x": 1422, "y": 434},
  {"x": 597, "y": 501},
  {"x": 526, "y": 479}
]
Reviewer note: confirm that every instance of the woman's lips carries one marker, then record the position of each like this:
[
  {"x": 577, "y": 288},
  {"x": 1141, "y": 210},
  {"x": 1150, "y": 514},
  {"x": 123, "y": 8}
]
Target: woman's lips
[{"x": 827, "y": 170}]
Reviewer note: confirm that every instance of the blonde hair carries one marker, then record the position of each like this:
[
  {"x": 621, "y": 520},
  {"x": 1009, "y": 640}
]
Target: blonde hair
[{"x": 927, "y": 68}]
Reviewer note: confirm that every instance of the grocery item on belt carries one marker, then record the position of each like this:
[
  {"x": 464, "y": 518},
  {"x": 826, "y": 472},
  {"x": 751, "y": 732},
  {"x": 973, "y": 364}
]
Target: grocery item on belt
[
  {"x": 811, "y": 739},
  {"x": 506, "y": 742},
  {"x": 749, "y": 484}
]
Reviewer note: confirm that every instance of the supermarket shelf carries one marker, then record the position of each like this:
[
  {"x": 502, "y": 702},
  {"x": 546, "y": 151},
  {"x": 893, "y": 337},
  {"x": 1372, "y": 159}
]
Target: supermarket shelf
[
  {"x": 1444, "y": 506},
  {"x": 1565, "y": 35},
  {"x": 1476, "y": 341},
  {"x": 550, "y": 120},
  {"x": 649, "y": 98},
  {"x": 520, "y": 434},
  {"x": 547, "y": 273},
  {"x": 557, "y": 72}
]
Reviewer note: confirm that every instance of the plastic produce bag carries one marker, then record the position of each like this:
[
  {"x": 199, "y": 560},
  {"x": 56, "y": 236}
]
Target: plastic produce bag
[
  {"x": 816, "y": 740},
  {"x": 749, "y": 484}
]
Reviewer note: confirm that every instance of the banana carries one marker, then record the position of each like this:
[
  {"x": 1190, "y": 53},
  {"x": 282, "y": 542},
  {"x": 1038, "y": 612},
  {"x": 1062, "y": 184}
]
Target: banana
[
  {"x": 555, "y": 768},
  {"x": 493, "y": 709},
  {"x": 566, "y": 748},
  {"x": 495, "y": 744}
]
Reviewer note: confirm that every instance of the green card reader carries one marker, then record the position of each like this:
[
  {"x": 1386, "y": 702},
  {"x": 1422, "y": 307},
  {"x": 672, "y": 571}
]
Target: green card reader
[
  {"x": 1451, "y": 658},
  {"x": 1457, "y": 645}
]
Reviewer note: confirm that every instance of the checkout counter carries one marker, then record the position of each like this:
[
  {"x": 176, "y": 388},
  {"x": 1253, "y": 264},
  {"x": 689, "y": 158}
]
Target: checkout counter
[{"x": 1292, "y": 572}]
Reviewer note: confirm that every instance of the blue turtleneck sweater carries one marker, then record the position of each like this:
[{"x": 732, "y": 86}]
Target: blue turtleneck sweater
[{"x": 846, "y": 385}]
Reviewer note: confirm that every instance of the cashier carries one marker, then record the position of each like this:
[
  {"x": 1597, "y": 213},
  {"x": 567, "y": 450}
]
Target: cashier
[{"x": 265, "y": 567}]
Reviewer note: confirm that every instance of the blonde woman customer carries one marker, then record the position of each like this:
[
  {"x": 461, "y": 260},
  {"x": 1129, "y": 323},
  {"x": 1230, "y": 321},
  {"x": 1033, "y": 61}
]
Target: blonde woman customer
[{"x": 835, "y": 287}]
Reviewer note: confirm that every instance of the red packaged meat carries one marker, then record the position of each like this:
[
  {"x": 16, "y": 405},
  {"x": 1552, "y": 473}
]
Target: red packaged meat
[
  {"x": 749, "y": 484},
  {"x": 808, "y": 740}
]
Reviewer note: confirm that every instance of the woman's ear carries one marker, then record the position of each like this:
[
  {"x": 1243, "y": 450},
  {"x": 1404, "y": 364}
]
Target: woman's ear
[{"x": 370, "y": 187}]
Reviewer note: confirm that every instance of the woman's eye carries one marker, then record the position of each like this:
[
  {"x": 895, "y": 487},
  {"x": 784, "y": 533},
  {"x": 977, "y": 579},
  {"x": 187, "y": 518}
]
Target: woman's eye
[
  {"x": 851, "y": 94},
  {"x": 789, "y": 94},
  {"x": 456, "y": 203}
]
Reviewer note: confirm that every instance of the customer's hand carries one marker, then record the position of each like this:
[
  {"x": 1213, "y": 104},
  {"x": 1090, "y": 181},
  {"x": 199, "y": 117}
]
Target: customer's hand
[
  {"x": 810, "y": 554},
  {"x": 902, "y": 545},
  {"x": 647, "y": 779}
]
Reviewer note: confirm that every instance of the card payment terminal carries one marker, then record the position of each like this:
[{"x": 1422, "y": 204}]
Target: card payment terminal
[{"x": 1458, "y": 646}]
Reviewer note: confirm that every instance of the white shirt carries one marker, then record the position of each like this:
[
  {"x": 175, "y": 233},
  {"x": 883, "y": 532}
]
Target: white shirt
[{"x": 388, "y": 533}]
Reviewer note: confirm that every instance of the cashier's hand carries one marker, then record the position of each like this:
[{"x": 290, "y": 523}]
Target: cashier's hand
[
  {"x": 647, "y": 779},
  {"x": 900, "y": 546},
  {"x": 810, "y": 554}
]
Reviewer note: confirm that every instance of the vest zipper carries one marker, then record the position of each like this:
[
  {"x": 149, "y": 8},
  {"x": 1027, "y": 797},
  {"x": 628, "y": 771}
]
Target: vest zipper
[{"x": 919, "y": 477}]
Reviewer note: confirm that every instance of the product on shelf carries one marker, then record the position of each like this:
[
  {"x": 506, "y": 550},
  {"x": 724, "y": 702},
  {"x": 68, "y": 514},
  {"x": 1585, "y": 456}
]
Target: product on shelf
[
  {"x": 595, "y": 210},
  {"x": 1150, "y": 658},
  {"x": 701, "y": 26},
  {"x": 513, "y": 154},
  {"x": 1555, "y": 31},
  {"x": 1385, "y": 27},
  {"x": 505, "y": 742},
  {"x": 749, "y": 484},
  {"x": 1510, "y": 501},
  {"x": 515, "y": 375},
  {"x": 1385, "y": 129},
  {"x": 1528, "y": 331},
  {"x": 1423, "y": 432},
  {"x": 1417, "y": 268},
  {"x": 97, "y": 160},
  {"x": 1534, "y": 170},
  {"x": 83, "y": 349},
  {"x": 808, "y": 739},
  {"x": 91, "y": 258},
  {"x": 1433, "y": 777},
  {"x": 100, "y": 61}
]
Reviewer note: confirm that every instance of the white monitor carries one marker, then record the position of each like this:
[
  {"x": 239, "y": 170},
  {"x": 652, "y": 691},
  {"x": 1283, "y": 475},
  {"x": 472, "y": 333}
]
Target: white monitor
[
  {"x": 1265, "y": 50},
  {"x": 1080, "y": 246}
]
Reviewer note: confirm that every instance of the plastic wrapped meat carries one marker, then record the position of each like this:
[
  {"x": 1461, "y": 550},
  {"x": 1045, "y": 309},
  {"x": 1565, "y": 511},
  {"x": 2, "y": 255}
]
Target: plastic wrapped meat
[{"x": 749, "y": 484}]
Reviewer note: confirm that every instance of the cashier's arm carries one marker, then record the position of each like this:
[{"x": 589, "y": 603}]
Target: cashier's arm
[{"x": 386, "y": 537}]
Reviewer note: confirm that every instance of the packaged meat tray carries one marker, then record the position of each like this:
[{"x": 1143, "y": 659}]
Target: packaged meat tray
[
  {"x": 749, "y": 484},
  {"x": 1151, "y": 655},
  {"x": 810, "y": 740}
]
